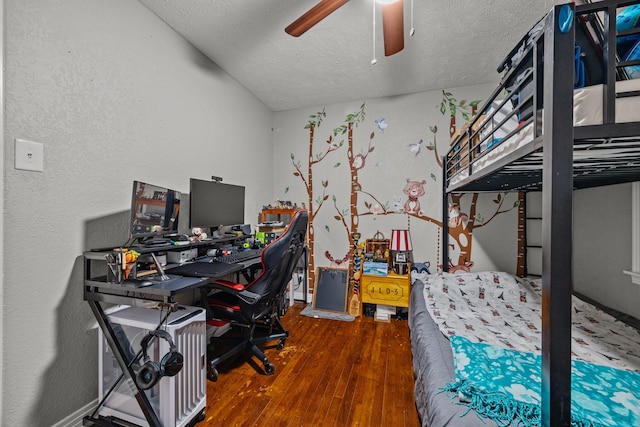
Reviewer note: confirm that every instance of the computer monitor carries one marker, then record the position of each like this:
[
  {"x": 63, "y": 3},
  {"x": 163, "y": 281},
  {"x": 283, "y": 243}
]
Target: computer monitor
[
  {"x": 213, "y": 204},
  {"x": 154, "y": 211}
]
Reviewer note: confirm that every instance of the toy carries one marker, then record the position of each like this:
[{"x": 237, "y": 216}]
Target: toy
[
  {"x": 358, "y": 256},
  {"x": 420, "y": 267},
  {"x": 197, "y": 234}
]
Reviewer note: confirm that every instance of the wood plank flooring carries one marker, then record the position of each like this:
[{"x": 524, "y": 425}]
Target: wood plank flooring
[{"x": 330, "y": 373}]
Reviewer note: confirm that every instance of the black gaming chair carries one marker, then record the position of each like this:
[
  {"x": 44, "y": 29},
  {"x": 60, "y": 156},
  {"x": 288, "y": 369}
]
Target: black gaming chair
[{"x": 254, "y": 309}]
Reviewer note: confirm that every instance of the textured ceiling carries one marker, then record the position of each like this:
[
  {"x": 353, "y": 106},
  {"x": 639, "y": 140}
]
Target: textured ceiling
[{"x": 456, "y": 43}]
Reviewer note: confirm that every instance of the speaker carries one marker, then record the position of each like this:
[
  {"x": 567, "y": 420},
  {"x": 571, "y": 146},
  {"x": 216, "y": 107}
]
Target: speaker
[{"x": 170, "y": 364}]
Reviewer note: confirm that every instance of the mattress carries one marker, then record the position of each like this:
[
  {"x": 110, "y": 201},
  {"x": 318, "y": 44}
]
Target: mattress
[
  {"x": 615, "y": 334},
  {"x": 587, "y": 111},
  {"x": 433, "y": 368},
  {"x": 500, "y": 309}
]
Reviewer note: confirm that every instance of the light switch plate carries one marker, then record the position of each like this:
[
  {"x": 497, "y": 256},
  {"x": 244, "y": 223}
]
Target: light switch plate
[{"x": 29, "y": 155}]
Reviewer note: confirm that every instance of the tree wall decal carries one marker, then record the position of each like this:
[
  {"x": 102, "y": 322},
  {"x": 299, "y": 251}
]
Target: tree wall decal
[
  {"x": 462, "y": 231},
  {"x": 364, "y": 203},
  {"x": 316, "y": 202}
]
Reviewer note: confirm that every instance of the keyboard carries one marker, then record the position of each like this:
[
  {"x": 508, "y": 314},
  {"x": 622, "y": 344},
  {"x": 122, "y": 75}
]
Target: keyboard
[
  {"x": 237, "y": 257},
  {"x": 203, "y": 269}
]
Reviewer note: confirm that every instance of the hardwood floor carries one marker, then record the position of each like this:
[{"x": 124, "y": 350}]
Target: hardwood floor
[{"x": 330, "y": 373}]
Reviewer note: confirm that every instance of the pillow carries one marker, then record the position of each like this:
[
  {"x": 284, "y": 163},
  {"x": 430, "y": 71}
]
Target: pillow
[
  {"x": 627, "y": 19},
  {"x": 634, "y": 53}
]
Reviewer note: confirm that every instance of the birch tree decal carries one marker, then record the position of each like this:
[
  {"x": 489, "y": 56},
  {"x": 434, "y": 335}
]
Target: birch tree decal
[
  {"x": 315, "y": 202},
  {"x": 350, "y": 218}
]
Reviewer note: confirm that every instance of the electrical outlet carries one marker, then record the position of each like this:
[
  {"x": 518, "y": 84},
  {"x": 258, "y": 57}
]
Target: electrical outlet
[{"x": 29, "y": 155}]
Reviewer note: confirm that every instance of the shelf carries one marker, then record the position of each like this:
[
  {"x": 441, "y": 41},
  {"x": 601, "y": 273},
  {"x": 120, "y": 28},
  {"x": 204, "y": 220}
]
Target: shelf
[{"x": 276, "y": 211}]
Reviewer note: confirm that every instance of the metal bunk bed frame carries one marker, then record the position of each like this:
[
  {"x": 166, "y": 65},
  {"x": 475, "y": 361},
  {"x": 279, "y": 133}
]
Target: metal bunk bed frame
[{"x": 551, "y": 153}]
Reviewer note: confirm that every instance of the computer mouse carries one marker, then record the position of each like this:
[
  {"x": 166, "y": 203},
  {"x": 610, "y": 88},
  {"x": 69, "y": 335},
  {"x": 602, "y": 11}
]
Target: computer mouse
[{"x": 144, "y": 283}]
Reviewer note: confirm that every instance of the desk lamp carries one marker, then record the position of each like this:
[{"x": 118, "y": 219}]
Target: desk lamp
[{"x": 401, "y": 251}]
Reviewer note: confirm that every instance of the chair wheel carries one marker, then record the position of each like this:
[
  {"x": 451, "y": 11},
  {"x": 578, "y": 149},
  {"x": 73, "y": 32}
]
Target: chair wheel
[
  {"x": 269, "y": 368},
  {"x": 212, "y": 374},
  {"x": 197, "y": 419},
  {"x": 281, "y": 343}
]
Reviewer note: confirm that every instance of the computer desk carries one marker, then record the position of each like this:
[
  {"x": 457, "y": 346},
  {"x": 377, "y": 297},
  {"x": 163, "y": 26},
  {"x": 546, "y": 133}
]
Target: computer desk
[{"x": 100, "y": 288}]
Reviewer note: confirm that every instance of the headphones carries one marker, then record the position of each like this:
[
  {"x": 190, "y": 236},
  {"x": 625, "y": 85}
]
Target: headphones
[{"x": 170, "y": 364}]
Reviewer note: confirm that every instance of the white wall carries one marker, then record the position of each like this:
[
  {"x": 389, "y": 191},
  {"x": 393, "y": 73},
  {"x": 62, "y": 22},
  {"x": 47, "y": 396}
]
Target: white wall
[
  {"x": 114, "y": 95},
  {"x": 1, "y": 198},
  {"x": 602, "y": 247}
]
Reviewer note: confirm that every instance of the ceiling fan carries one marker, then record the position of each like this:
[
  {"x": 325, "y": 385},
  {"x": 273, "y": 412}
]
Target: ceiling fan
[{"x": 392, "y": 22}]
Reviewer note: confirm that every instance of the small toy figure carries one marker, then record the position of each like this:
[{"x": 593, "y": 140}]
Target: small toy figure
[
  {"x": 197, "y": 235},
  {"x": 420, "y": 267}
]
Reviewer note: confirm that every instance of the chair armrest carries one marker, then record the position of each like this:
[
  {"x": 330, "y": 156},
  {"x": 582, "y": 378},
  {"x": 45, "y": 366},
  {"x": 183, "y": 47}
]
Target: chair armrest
[
  {"x": 249, "y": 297},
  {"x": 225, "y": 285},
  {"x": 236, "y": 289}
]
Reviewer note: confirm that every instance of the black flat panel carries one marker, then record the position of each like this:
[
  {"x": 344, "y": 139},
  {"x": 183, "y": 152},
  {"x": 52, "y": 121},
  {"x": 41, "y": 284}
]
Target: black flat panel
[
  {"x": 330, "y": 292},
  {"x": 204, "y": 269}
]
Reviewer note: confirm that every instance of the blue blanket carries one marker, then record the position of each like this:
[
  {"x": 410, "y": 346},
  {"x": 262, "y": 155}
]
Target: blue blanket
[{"x": 504, "y": 385}]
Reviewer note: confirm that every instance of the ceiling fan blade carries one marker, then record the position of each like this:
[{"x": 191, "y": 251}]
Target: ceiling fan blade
[
  {"x": 314, "y": 15},
  {"x": 393, "y": 27}
]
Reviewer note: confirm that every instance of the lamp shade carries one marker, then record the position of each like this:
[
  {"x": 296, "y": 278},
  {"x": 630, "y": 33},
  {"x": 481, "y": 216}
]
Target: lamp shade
[{"x": 400, "y": 241}]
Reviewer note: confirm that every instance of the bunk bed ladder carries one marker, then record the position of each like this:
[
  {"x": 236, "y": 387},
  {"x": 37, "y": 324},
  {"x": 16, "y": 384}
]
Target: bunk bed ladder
[{"x": 532, "y": 233}]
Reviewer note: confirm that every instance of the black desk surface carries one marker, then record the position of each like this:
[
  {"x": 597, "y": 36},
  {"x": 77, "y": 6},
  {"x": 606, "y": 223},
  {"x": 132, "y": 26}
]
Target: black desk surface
[
  {"x": 145, "y": 249},
  {"x": 182, "y": 277},
  {"x": 213, "y": 269},
  {"x": 168, "y": 288}
]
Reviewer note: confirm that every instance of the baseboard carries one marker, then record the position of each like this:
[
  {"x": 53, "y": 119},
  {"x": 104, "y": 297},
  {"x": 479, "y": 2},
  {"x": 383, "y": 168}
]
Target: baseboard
[{"x": 75, "y": 419}]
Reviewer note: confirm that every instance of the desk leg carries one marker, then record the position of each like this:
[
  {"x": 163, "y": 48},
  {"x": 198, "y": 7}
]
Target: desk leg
[
  {"x": 118, "y": 353},
  {"x": 249, "y": 274}
]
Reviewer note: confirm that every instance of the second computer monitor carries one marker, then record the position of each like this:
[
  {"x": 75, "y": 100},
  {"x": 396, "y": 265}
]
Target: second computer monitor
[
  {"x": 212, "y": 204},
  {"x": 154, "y": 211}
]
